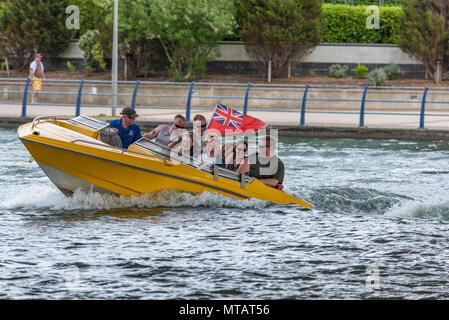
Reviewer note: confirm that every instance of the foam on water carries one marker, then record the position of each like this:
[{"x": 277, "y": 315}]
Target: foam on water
[
  {"x": 47, "y": 197},
  {"x": 349, "y": 200},
  {"x": 436, "y": 208}
]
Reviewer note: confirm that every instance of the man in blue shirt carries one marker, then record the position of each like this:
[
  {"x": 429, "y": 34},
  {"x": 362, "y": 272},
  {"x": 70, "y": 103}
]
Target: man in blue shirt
[{"x": 126, "y": 128}]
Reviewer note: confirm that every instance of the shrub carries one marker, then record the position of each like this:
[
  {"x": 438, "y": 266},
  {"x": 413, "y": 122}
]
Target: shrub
[
  {"x": 92, "y": 53},
  {"x": 338, "y": 71},
  {"x": 98, "y": 55},
  {"x": 70, "y": 66},
  {"x": 393, "y": 71},
  {"x": 360, "y": 71},
  {"x": 377, "y": 77},
  {"x": 346, "y": 24}
]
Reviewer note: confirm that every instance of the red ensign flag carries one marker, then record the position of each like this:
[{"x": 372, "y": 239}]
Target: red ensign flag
[{"x": 228, "y": 121}]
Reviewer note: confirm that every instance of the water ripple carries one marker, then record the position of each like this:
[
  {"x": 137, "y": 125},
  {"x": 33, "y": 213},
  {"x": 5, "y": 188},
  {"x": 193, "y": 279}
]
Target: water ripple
[{"x": 380, "y": 213}]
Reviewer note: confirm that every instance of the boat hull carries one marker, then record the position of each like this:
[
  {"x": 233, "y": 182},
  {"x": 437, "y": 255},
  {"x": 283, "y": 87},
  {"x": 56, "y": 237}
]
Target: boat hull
[
  {"x": 71, "y": 166},
  {"x": 67, "y": 183}
]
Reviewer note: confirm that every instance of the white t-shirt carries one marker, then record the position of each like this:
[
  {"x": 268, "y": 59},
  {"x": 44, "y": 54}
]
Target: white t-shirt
[
  {"x": 33, "y": 66},
  {"x": 206, "y": 159}
]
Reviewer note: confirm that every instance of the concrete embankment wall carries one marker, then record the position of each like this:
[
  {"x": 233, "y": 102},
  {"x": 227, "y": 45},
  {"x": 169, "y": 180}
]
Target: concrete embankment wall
[{"x": 233, "y": 58}]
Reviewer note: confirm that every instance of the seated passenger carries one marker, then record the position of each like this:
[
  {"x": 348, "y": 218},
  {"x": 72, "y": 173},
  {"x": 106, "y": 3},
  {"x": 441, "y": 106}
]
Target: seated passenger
[
  {"x": 199, "y": 129},
  {"x": 227, "y": 149},
  {"x": 185, "y": 151},
  {"x": 168, "y": 135},
  {"x": 266, "y": 166},
  {"x": 126, "y": 127},
  {"x": 237, "y": 160},
  {"x": 212, "y": 153}
]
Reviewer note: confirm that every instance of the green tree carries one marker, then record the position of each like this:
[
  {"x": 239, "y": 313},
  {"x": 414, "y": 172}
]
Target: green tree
[
  {"x": 93, "y": 54},
  {"x": 136, "y": 40},
  {"x": 279, "y": 30},
  {"x": 189, "y": 31},
  {"x": 424, "y": 34},
  {"x": 27, "y": 26},
  {"x": 91, "y": 12}
]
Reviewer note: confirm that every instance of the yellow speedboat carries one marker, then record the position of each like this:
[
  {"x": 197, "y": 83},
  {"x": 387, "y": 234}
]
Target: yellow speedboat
[{"x": 73, "y": 156}]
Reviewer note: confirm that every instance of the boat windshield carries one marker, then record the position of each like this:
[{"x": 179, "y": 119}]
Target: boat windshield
[
  {"x": 89, "y": 122},
  {"x": 169, "y": 154}
]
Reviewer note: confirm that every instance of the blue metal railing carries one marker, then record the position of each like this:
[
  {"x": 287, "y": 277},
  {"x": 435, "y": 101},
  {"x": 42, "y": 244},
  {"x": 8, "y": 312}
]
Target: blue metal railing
[{"x": 247, "y": 88}]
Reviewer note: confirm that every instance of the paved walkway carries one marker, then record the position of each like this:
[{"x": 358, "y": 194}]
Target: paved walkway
[{"x": 315, "y": 118}]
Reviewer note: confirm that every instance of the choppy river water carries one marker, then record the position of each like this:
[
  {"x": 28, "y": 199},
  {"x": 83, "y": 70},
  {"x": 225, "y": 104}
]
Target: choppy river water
[{"x": 379, "y": 228}]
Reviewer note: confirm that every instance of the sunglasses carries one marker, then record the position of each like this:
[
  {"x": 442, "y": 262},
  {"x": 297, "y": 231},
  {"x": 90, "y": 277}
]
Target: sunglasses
[
  {"x": 178, "y": 126},
  {"x": 130, "y": 117}
]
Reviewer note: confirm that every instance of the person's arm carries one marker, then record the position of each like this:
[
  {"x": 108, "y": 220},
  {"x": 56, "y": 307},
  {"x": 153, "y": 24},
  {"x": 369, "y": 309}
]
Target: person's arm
[
  {"x": 229, "y": 159},
  {"x": 270, "y": 182},
  {"x": 112, "y": 126},
  {"x": 244, "y": 166},
  {"x": 277, "y": 178},
  {"x": 174, "y": 142},
  {"x": 32, "y": 69},
  {"x": 152, "y": 134}
]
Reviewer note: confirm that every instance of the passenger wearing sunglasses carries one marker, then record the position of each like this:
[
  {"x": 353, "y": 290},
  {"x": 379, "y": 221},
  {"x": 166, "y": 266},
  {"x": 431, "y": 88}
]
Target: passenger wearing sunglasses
[
  {"x": 266, "y": 166},
  {"x": 237, "y": 160},
  {"x": 168, "y": 135}
]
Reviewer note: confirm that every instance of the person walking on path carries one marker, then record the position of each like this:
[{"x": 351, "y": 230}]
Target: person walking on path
[{"x": 36, "y": 73}]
